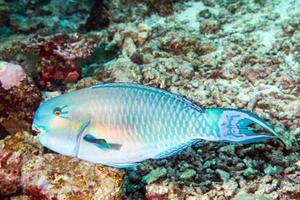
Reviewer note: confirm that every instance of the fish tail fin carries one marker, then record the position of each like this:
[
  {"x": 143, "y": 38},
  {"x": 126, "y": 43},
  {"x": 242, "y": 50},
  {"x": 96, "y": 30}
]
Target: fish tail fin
[{"x": 238, "y": 126}]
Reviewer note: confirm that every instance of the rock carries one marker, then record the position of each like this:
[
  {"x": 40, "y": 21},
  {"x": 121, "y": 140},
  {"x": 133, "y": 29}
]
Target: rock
[
  {"x": 223, "y": 175},
  {"x": 187, "y": 174},
  {"x": 295, "y": 177},
  {"x": 154, "y": 175},
  {"x": 209, "y": 2},
  {"x": 137, "y": 58},
  {"x": 134, "y": 177},
  {"x": 164, "y": 190},
  {"x": 163, "y": 8},
  {"x": 297, "y": 112},
  {"x": 144, "y": 32},
  {"x": 128, "y": 48},
  {"x": 209, "y": 26},
  {"x": 186, "y": 70},
  {"x": 271, "y": 170},
  {"x": 248, "y": 172},
  {"x": 122, "y": 70},
  {"x": 244, "y": 196},
  {"x": 287, "y": 28},
  {"x": 230, "y": 188},
  {"x": 252, "y": 75},
  {"x": 205, "y": 13},
  {"x": 182, "y": 44},
  {"x": 195, "y": 83},
  {"x": 228, "y": 149}
]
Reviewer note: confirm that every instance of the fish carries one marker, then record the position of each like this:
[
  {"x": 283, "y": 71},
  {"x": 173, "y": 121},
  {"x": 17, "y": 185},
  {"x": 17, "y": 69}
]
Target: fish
[{"x": 122, "y": 124}]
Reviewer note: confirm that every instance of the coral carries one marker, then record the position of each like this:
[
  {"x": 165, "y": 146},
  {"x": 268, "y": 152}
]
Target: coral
[
  {"x": 26, "y": 168},
  {"x": 10, "y": 182},
  {"x": 14, "y": 151},
  {"x": 184, "y": 44},
  {"x": 58, "y": 56},
  {"x": 19, "y": 98},
  {"x": 123, "y": 70},
  {"x": 54, "y": 176},
  {"x": 46, "y": 17},
  {"x": 11, "y": 75}
]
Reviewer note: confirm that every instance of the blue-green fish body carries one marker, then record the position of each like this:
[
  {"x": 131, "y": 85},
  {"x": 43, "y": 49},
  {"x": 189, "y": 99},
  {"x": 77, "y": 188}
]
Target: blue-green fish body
[{"x": 121, "y": 124}]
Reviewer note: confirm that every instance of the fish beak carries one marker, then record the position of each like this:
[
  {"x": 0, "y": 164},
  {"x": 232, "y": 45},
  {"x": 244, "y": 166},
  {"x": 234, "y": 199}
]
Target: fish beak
[{"x": 37, "y": 130}]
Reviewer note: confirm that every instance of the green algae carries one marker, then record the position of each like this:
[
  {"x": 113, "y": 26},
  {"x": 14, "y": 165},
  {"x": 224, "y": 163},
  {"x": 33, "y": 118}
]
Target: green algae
[
  {"x": 154, "y": 175},
  {"x": 187, "y": 174}
]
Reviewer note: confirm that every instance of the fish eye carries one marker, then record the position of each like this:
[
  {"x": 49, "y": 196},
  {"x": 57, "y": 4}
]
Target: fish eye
[{"x": 57, "y": 111}]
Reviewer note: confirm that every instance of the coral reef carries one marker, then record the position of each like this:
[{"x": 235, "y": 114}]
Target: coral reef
[
  {"x": 234, "y": 54},
  {"x": 26, "y": 168}
]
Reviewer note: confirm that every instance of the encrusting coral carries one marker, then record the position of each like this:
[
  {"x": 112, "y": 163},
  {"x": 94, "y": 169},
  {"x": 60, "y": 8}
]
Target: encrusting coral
[
  {"x": 25, "y": 167},
  {"x": 19, "y": 97}
]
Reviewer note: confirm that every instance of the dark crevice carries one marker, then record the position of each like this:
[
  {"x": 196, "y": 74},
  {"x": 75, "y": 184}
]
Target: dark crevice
[
  {"x": 3, "y": 132},
  {"x": 98, "y": 17}
]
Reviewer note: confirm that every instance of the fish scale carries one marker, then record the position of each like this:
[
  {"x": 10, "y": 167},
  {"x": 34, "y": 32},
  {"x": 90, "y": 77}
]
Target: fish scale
[{"x": 121, "y": 124}]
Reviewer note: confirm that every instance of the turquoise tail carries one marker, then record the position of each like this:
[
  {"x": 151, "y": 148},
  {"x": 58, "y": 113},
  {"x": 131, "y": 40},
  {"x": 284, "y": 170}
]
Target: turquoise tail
[{"x": 238, "y": 126}]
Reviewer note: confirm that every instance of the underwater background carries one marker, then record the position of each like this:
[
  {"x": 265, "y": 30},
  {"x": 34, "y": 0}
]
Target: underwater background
[{"x": 218, "y": 53}]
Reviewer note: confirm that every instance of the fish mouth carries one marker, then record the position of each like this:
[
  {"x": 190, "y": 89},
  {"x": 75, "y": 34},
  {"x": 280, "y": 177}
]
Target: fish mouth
[{"x": 37, "y": 130}]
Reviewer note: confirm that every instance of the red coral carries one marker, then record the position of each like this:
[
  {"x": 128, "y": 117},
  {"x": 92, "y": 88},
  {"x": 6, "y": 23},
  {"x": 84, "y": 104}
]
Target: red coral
[
  {"x": 57, "y": 58},
  {"x": 10, "y": 172},
  {"x": 36, "y": 193}
]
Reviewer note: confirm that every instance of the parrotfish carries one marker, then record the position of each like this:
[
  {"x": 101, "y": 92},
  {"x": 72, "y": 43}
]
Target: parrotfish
[{"x": 122, "y": 124}]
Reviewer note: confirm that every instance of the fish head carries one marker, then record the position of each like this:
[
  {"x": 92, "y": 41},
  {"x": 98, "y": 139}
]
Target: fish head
[{"x": 58, "y": 124}]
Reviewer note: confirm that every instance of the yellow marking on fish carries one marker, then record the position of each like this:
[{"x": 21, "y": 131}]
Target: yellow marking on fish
[{"x": 59, "y": 123}]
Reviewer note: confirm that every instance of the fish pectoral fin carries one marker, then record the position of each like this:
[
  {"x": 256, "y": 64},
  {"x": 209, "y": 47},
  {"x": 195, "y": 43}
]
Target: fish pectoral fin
[{"x": 101, "y": 143}]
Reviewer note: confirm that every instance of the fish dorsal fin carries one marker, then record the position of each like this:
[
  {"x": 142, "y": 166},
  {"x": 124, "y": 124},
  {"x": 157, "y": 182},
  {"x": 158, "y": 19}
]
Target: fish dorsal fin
[
  {"x": 187, "y": 102},
  {"x": 101, "y": 143}
]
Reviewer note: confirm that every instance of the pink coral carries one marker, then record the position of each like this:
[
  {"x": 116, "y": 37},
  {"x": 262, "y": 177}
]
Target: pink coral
[
  {"x": 10, "y": 75},
  {"x": 10, "y": 170}
]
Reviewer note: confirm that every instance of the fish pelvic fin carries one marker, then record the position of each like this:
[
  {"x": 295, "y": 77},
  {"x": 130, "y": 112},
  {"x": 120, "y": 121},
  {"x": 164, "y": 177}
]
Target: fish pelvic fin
[
  {"x": 101, "y": 143},
  {"x": 239, "y": 126}
]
